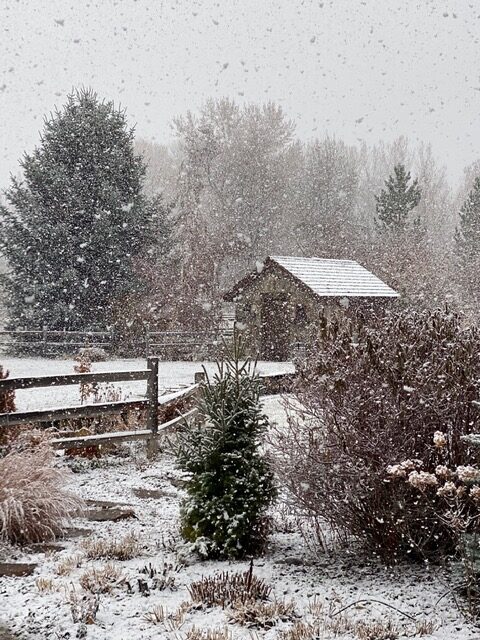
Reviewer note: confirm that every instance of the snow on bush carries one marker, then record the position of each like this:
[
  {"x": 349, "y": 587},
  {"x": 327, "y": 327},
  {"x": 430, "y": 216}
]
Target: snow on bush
[
  {"x": 230, "y": 485},
  {"x": 383, "y": 410},
  {"x": 34, "y": 505}
]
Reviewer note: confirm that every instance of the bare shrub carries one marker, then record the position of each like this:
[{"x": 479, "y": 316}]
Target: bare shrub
[
  {"x": 373, "y": 396},
  {"x": 124, "y": 548},
  {"x": 34, "y": 506},
  {"x": 102, "y": 580},
  {"x": 263, "y": 615},
  {"x": 227, "y": 588}
]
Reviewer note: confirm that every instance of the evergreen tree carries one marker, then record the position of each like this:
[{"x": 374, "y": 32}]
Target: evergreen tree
[
  {"x": 467, "y": 236},
  {"x": 77, "y": 219},
  {"x": 231, "y": 485},
  {"x": 397, "y": 200}
]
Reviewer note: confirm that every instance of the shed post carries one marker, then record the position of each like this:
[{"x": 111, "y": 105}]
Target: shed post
[{"x": 152, "y": 412}]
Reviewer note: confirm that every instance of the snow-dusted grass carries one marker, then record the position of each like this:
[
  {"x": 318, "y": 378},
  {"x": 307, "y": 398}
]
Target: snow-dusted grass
[
  {"x": 317, "y": 585},
  {"x": 171, "y": 375}
]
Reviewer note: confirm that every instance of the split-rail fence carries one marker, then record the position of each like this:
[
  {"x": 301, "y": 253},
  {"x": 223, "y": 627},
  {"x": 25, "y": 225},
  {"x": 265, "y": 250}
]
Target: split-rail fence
[{"x": 149, "y": 406}]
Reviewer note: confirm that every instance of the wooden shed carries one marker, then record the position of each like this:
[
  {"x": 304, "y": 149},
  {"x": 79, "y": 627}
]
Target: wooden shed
[{"x": 280, "y": 303}]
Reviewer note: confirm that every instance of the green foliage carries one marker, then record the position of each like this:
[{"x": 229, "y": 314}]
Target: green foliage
[
  {"x": 397, "y": 200},
  {"x": 231, "y": 484},
  {"x": 467, "y": 235},
  {"x": 77, "y": 219}
]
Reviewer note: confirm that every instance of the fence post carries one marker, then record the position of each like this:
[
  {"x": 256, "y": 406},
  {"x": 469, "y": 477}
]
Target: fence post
[
  {"x": 199, "y": 377},
  {"x": 147, "y": 342},
  {"x": 152, "y": 415},
  {"x": 44, "y": 340}
]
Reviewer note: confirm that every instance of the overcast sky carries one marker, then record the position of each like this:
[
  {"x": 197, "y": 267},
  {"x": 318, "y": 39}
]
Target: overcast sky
[{"x": 362, "y": 70}]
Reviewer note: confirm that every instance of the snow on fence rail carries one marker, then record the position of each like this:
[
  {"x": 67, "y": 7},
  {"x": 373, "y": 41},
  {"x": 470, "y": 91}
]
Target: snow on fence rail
[{"x": 150, "y": 404}]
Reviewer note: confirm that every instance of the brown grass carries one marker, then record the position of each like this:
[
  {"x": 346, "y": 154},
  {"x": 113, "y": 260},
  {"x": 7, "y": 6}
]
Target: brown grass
[
  {"x": 117, "y": 549},
  {"x": 68, "y": 564},
  {"x": 34, "y": 506},
  {"x": 102, "y": 580},
  {"x": 263, "y": 615},
  {"x": 173, "y": 620},
  {"x": 208, "y": 634}
]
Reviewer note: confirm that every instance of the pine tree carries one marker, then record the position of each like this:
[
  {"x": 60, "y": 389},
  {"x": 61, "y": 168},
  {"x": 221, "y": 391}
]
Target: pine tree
[
  {"x": 397, "y": 200},
  {"x": 467, "y": 236},
  {"x": 231, "y": 485},
  {"x": 77, "y": 219}
]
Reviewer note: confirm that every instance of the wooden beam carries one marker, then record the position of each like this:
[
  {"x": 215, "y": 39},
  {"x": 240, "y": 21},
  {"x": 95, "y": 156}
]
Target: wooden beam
[
  {"x": 118, "y": 436},
  {"x": 70, "y": 413},
  {"x": 73, "y": 378}
]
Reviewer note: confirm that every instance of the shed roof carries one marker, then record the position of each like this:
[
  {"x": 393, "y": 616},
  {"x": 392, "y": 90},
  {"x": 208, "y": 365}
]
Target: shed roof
[{"x": 325, "y": 277}]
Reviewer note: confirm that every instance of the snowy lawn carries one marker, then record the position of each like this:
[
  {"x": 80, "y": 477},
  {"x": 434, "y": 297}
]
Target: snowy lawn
[
  {"x": 317, "y": 584},
  {"x": 171, "y": 375}
]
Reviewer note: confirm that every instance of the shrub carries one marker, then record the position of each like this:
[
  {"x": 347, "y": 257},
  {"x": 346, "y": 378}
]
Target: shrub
[
  {"x": 231, "y": 484},
  {"x": 373, "y": 397},
  {"x": 34, "y": 506}
]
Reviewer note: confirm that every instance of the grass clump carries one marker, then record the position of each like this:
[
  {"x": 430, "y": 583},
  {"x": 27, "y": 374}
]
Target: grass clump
[
  {"x": 34, "y": 504},
  {"x": 124, "y": 548}
]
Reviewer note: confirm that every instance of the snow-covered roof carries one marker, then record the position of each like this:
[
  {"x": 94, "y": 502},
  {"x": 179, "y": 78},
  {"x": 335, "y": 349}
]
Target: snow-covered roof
[
  {"x": 324, "y": 277},
  {"x": 334, "y": 278}
]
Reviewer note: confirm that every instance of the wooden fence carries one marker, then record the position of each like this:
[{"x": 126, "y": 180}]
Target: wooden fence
[
  {"x": 45, "y": 341},
  {"x": 149, "y": 405},
  {"x": 173, "y": 345},
  {"x": 169, "y": 345}
]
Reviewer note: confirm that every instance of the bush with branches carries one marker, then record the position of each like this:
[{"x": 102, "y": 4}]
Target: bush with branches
[{"x": 373, "y": 397}]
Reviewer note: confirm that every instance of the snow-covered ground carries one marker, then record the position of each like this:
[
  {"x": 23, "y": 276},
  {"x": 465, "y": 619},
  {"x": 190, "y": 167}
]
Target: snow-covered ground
[
  {"x": 171, "y": 375},
  {"x": 318, "y": 584}
]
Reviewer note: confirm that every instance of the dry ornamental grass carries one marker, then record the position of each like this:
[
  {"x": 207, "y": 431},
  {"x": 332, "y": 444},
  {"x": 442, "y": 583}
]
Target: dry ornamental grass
[
  {"x": 102, "y": 580},
  {"x": 102, "y": 549},
  {"x": 34, "y": 506}
]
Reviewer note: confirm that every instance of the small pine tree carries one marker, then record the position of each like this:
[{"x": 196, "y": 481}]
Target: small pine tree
[
  {"x": 231, "y": 485},
  {"x": 467, "y": 235},
  {"x": 77, "y": 220},
  {"x": 397, "y": 200}
]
